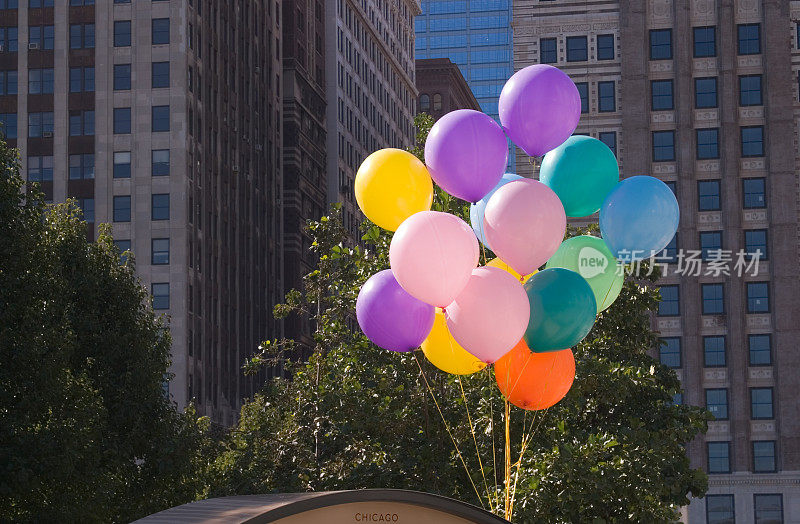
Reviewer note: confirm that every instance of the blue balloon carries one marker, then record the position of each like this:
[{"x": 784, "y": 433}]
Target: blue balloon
[
  {"x": 477, "y": 209},
  {"x": 639, "y": 218},
  {"x": 563, "y": 310}
]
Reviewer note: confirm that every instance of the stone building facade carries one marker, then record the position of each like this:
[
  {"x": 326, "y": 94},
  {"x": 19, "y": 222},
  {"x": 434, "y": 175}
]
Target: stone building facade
[{"x": 442, "y": 88}]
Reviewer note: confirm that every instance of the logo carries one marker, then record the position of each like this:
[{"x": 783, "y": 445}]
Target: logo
[{"x": 591, "y": 262}]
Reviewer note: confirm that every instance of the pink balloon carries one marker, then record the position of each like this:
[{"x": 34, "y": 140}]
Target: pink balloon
[
  {"x": 432, "y": 255},
  {"x": 489, "y": 317},
  {"x": 524, "y": 222}
]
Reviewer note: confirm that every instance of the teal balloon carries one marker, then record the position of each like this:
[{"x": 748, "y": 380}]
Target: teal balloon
[
  {"x": 582, "y": 172},
  {"x": 590, "y": 257},
  {"x": 563, "y": 310}
]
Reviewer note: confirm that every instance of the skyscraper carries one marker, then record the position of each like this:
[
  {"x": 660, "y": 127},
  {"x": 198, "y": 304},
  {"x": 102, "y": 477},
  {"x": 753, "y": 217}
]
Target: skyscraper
[
  {"x": 163, "y": 119},
  {"x": 703, "y": 94},
  {"x": 476, "y": 35}
]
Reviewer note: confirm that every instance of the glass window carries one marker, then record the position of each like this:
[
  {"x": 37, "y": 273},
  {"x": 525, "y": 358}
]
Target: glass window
[
  {"x": 606, "y": 97},
  {"x": 750, "y": 90},
  {"x": 160, "y": 251},
  {"x": 122, "y": 120},
  {"x": 661, "y": 95},
  {"x": 714, "y": 351},
  {"x": 753, "y": 191},
  {"x": 710, "y": 244},
  {"x": 122, "y": 77},
  {"x": 160, "y": 210},
  {"x": 122, "y": 33},
  {"x": 160, "y": 162},
  {"x": 705, "y": 92},
  {"x": 749, "y": 39},
  {"x": 9, "y": 39},
  {"x": 122, "y": 247},
  {"x": 755, "y": 242},
  {"x": 609, "y": 138},
  {"x": 605, "y": 47},
  {"x": 437, "y": 101},
  {"x": 81, "y": 79},
  {"x": 160, "y": 119},
  {"x": 708, "y": 195},
  {"x": 81, "y": 123},
  {"x": 705, "y": 41},
  {"x": 81, "y": 167},
  {"x": 548, "y": 53},
  {"x": 768, "y": 508},
  {"x": 717, "y": 403},
  {"x": 713, "y": 299},
  {"x": 160, "y": 295},
  {"x": 752, "y": 141},
  {"x": 760, "y": 348},
  {"x": 40, "y": 124},
  {"x": 670, "y": 252},
  {"x": 424, "y": 102},
  {"x": 9, "y": 4},
  {"x": 761, "y": 403},
  {"x": 670, "y": 305},
  {"x": 719, "y": 457},
  {"x": 41, "y": 36},
  {"x": 719, "y": 509},
  {"x": 40, "y": 81},
  {"x": 122, "y": 208},
  {"x": 670, "y": 352},
  {"x": 122, "y": 164},
  {"x": 81, "y": 36},
  {"x": 160, "y": 74},
  {"x": 663, "y": 146},
  {"x": 8, "y": 83},
  {"x": 40, "y": 168},
  {"x": 577, "y": 49},
  {"x": 707, "y": 143},
  {"x": 583, "y": 91},
  {"x": 8, "y": 125},
  {"x": 764, "y": 456},
  {"x": 660, "y": 44},
  {"x": 758, "y": 297},
  {"x": 87, "y": 207},
  {"x": 160, "y": 31}
]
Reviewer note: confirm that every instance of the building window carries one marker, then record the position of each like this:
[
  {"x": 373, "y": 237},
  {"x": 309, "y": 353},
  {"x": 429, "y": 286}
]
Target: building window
[
  {"x": 583, "y": 91},
  {"x": 81, "y": 79},
  {"x": 761, "y": 403},
  {"x": 719, "y": 457},
  {"x": 40, "y": 125},
  {"x": 758, "y": 297},
  {"x": 749, "y": 39},
  {"x": 122, "y": 208},
  {"x": 437, "y": 102},
  {"x": 760, "y": 349},
  {"x": 42, "y": 37},
  {"x": 670, "y": 252},
  {"x": 160, "y": 207},
  {"x": 661, "y": 95},
  {"x": 159, "y": 252},
  {"x": 705, "y": 41},
  {"x": 719, "y": 509},
  {"x": 9, "y": 39},
  {"x": 40, "y": 168},
  {"x": 123, "y": 246},
  {"x": 8, "y": 4},
  {"x": 605, "y": 47},
  {"x": 40, "y": 81},
  {"x": 713, "y": 299},
  {"x": 708, "y": 195},
  {"x": 160, "y": 162},
  {"x": 670, "y": 305},
  {"x": 705, "y": 92},
  {"x": 160, "y": 72},
  {"x": 670, "y": 352},
  {"x": 81, "y": 123},
  {"x": 160, "y": 31},
  {"x": 86, "y": 206},
  {"x": 609, "y": 138},
  {"x": 750, "y": 90},
  {"x": 81, "y": 167},
  {"x": 752, "y": 141},
  {"x": 606, "y": 97},
  {"x": 122, "y": 33},
  {"x": 764, "y": 456},
  {"x": 710, "y": 244},
  {"x": 717, "y": 403},
  {"x": 160, "y": 120},
  {"x": 707, "y": 143},
  {"x": 548, "y": 53},
  {"x": 753, "y": 191},
  {"x": 8, "y": 125},
  {"x": 661, "y": 44},
  {"x": 768, "y": 508},
  {"x": 577, "y": 49},
  {"x": 81, "y": 36},
  {"x": 663, "y": 146},
  {"x": 424, "y": 102},
  {"x": 714, "y": 351},
  {"x": 755, "y": 242},
  {"x": 122, "y": 77},
  {"x": 122, "y": 164},
  {"x": 160, "y": 295},
  {"x": 122, "y": 120},
  {"x": 8, "y": 82}
]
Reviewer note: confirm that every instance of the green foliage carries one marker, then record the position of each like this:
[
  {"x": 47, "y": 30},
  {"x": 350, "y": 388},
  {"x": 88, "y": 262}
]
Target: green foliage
[{"x": 86, "y": 432}]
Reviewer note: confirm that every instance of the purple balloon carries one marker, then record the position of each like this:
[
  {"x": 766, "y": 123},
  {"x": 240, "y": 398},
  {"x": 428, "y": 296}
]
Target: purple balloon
[
  {"x": 389, "y": 316},
  {"x": 466, "y": 154},
  {"x": 539, "y": 108}
]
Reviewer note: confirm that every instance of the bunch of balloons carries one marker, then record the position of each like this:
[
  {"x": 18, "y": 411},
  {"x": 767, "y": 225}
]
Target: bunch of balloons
[{"x": 509, "y": 312}]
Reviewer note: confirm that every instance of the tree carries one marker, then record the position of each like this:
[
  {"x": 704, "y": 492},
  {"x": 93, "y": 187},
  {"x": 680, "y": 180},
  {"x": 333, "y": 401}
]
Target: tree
[
  {"x": 86, "y": 431},
  {"x": 355, "y": 416}
]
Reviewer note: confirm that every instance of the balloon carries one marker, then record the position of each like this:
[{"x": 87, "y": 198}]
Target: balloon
[
  {"x": 390, "y": 317},
  {"x": 466, "y": 153},
  {"x": 391, "y": 185},
  {"x": 499, "y": 264},
  {"x": 445, "y": 353},
  {"x": 477, "y": 209},
  {"x": 432, "y": 255},
  {"x": 490, "y": 315},
  {"x": 524, "y": 223},
  {"x": 539, "y": 108},
  {"x": 581, "y": 171},
  {"x": 535, "y": 380},
  {"x": 563, "y": 310},
  {"x": 590, "y": 258},
  {"x": 639, "y": 218}
]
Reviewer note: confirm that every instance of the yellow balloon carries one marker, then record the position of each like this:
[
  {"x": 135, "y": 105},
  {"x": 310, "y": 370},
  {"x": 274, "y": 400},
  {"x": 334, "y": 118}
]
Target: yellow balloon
[
  {"x": 445, "y": 353},
  {"x": 392, "y": 185},
  {"x": 499, "y": 264}
]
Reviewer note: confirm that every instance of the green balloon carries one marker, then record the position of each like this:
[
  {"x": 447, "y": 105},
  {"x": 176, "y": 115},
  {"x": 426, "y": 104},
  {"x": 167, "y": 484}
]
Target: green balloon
[
  {"x": 582, "y": 172},
  {"x": 591, "y": 258}
]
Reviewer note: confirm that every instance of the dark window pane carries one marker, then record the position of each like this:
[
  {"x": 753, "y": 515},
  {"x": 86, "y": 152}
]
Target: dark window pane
[
  {"x": 160, "y": 31},
  {"x": 606, "y": 94},
  {"x": 749, "y": 39},
  {"x": 662, "y": 99},
  {"x": 548, "y": 54},
  {"x": 660, "y": 44},
  {"x": 122, "y": 33},
  {"x": 605, "y": 47},
  {"x": 764, "y": 456},
  {"x": 719, "y": 509},
  {"x": 705, "y": 41},
  {"x": 577, "y": 49},
  {"x": 160, "y": 295},
  {"x": 717, "y": 403},
  {"x": 122, "y": 120},
  {"x": 713, "y": 299},
  {"x": 160, "y": 209},
  {"x": 752, "y": 141},
  {"x": 670, "y": 352},
  {"x": 160, "y": 74},
  {"x": 707, "y": 143},
  {"x": 719, "y": 457},
  {"x": 760, "y": 347},
  {"x": 670, "y": 301},
  {"x": 757, "y": 297},
  {"x": 714, "y": 351},
  {"x": 160, "y": 118},
  {"x": 755, "y": 242},
  {"x": 609, "y": 138},
  {"x": 583, "y": 91},
  {"x": 705, "y": 92},
  {"x": 761, "y": 403},
  {"x": 750, "y": 90},
  {"x": 122, "y": 77},
  {"x": 768, "y": 508},
  {"x": 122, "y": 208},
  {"x": 708, "y": 195},
  {"x": 663, "y": 146}
]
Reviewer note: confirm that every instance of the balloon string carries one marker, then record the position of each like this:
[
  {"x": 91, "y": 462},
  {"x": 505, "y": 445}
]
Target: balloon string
[
  {"x": 447, "y": 427},
  {"x": 494, "y": 450},
  {"x": 474, "y": 439}
]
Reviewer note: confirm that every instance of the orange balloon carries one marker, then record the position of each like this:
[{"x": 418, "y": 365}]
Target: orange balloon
[{"x": 534, "y": 380}]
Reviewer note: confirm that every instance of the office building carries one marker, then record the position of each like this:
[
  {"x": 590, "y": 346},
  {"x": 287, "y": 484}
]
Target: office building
[
  {"x": 442, "y": 88},
  {"x": 163, "y": 119},
  {"x": 704, "y": 95}
]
